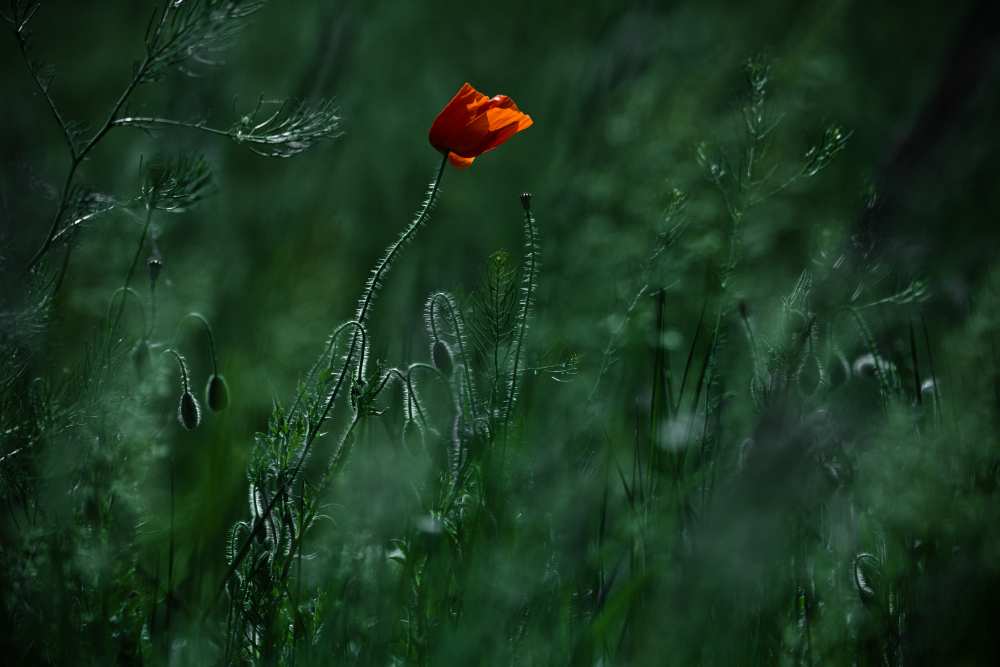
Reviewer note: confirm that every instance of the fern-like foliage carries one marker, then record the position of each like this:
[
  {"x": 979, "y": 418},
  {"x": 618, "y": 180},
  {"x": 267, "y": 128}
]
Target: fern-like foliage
[
  {"x": 271, "y": 129},
  {"x": 173, "y": 184},
  {"x": 188, "y": 35},
  {"x": 288, "y": 473},
  {"x": 492, "y": 320}
]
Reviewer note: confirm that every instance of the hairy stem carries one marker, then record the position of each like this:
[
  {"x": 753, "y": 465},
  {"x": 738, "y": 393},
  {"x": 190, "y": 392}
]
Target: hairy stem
[
  {"x": 528, "y": 287},
  {"x": 367, "y": 299}
]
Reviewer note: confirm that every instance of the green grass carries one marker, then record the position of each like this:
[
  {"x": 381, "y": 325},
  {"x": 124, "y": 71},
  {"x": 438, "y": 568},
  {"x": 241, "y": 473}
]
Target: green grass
[{"x": 697, "y": 370}]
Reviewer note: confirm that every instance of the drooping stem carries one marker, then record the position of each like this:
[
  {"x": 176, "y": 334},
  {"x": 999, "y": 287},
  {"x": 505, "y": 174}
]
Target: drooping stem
[
  {"x": 456, "y": 324},
  {"x": 185, "y": 380},
  {"x": 211, "y": 337}
]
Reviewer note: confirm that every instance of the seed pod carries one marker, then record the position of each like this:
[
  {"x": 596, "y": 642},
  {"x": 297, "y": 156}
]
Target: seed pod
[
  {"x": 188, "y": 411},
  {"x": 216, "y": 393},
  {"x": 441, "y": 356}
]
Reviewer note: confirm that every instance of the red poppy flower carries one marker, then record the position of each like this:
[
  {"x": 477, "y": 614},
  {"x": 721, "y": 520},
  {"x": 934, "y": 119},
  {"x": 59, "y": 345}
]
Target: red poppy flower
[{"x": 471, "y": 124}]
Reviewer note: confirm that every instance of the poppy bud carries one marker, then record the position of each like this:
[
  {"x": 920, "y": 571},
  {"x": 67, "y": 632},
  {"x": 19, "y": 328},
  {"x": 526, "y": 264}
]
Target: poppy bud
[
  {"x": 188, "y": 411},
  {"x": 155, "y": 265},
  {"x": 216, "y": 393},
  {"x": 441, "y": 356},
  {"x": 526, "y": 201}
]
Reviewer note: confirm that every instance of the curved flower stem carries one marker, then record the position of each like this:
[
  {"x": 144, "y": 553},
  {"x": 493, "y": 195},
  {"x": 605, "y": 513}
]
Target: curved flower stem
[
  {"x": 182, "y": 365},
  {"x": 368, "y": 297},
  {"x": 208, "y": 329},
  {"x": 458, "y": 326},
  {"x": 365, "y": 304}
]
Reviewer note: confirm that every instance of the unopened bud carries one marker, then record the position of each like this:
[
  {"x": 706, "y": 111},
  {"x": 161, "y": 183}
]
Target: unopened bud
[
  {"x": 526, "y": 201},
  {"x": 188, "y": 411},
  {"x": 216, "y": 393}
]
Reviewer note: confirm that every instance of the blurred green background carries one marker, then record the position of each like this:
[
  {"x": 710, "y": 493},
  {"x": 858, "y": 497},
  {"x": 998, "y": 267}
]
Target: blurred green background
[{"x": 622, "y": 95}]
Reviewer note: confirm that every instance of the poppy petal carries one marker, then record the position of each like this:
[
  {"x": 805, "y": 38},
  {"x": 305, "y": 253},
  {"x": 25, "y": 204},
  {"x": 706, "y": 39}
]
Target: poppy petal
[
  {"x": 471, "y": 124},
  {"x": 460, "y": 162},
  {"x": 454, "y": 115}
]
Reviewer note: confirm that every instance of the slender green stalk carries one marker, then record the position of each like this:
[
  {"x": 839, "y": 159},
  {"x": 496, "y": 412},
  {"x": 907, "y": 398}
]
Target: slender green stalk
[
  {"x": 365, "y": 304},
  {"x": 527, "y": 299},
  {"x": 208, "y": 330}
]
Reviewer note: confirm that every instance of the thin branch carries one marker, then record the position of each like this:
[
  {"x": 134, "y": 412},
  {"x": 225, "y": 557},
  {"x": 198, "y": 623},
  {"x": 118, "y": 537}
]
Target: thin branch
[
  {"x": 357, "y": 340},
  {"x": 78, "y": 157},
  {"x": 71, "y": 227},
  {"x": 22, "y": 44},
  {"x": 291, "y": 129},
  {"x": 151, "y": 122}
]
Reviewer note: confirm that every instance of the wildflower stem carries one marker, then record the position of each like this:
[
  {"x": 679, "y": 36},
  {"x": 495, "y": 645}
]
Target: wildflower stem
[
  {"x": 185, "y": 381},
  {"x": 368, "y": 298},
  {"x": 459, "y": 338},
  {"x": 381, "y": 269},
  {"x": 386, "y": 262},
  {"x": 211, "y": 337},
  {"x": 528, "y": 288}
]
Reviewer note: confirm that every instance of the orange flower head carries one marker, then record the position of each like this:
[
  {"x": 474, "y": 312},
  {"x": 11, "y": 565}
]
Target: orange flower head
[{"x": 471, "y": 124}]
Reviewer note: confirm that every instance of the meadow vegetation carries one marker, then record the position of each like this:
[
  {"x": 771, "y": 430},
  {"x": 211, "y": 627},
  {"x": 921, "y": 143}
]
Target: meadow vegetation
[{"x": 702, "y": 368}]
